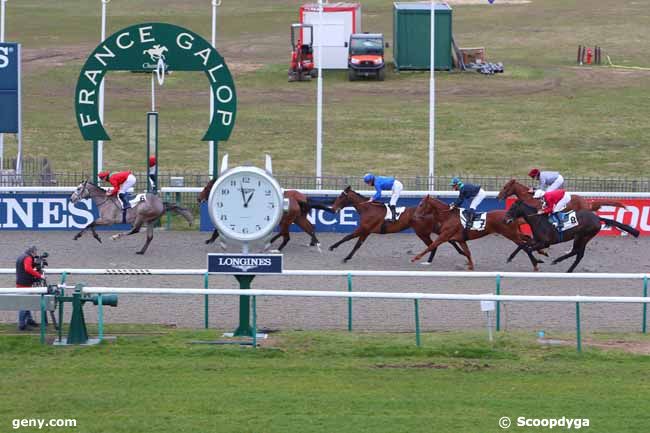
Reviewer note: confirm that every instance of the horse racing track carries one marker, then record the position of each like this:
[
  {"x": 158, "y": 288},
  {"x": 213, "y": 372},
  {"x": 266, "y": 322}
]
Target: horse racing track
[{"x": 186, "y": 250}]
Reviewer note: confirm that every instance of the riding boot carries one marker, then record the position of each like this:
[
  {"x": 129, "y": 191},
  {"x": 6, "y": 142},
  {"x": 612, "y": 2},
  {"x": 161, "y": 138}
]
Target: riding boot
[
  {"x": 124, "y": 200},
  {"x": 469, "y": 221},
  {"x": 558, "y": 219},
  {"x": 393, "y": 212},
  {"x": 125, "y": 206}
]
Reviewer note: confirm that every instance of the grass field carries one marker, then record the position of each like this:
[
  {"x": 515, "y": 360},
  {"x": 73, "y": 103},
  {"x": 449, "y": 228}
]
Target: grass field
[
  {"x": 543, "y": 111},
  {"x": 321, "y": 382}
]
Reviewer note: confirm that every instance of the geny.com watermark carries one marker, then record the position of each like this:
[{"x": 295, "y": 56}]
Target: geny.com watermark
[
  {"x": 40, "y": 423},
  {"x": 549, "y": 423}
]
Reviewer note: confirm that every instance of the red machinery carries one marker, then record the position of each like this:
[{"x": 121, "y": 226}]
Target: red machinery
[{"x": 302, "y": 66}]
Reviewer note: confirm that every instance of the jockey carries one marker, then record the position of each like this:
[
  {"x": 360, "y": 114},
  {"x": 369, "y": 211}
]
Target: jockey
[
  {"x": 548, "y": 180},
  {"x": 553, "y": 202},
  {"x": 384, "y": 183},
  {"x": 468, "y": 191},
  {"x": 122, "y": 182}
]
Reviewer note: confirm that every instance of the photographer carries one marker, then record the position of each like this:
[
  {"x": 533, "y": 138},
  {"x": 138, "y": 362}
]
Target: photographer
[{"x": 26, "y": 275}]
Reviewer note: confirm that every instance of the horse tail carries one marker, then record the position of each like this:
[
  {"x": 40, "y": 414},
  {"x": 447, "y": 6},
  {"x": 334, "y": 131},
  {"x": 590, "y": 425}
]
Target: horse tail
[
  {"x": 185, "y": 213},
  {"x": 314, "y": 204},
  {"x": 597, "y": 204},
  {"x": 631, "y": 230}
]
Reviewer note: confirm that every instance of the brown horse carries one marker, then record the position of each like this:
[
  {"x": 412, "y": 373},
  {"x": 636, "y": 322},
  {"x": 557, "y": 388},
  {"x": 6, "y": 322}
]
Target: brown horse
[
  {"x": 522, "y": 192},
  {"x": 588, "y": 224},
  {"x": 372, "y": 220},
  {"x": 299, "y": 206},
  {"x": 452, "y": 229}
]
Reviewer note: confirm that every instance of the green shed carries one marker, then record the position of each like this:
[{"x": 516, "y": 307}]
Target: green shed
[{"x": 412, "y": 36}]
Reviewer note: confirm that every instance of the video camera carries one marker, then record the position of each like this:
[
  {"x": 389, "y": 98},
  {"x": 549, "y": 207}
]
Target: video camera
[{"x": 40, "y": 262}]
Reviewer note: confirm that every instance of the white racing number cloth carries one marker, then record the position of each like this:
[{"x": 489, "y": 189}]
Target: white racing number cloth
[
  {"x": 395, "y": 192},
  {"x": 128, "y": 184},
  {"x": 480, "y": 196},
  {"x": 564, "y": 201}
]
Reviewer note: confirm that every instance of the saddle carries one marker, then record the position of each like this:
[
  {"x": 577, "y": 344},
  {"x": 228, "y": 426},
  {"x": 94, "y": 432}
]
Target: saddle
[
  {"x": 398, "y": 210},
  {"x": 563, "y": 221},
  {"x": 479, "y": 221},
  {"x": 134, "y": 201}
]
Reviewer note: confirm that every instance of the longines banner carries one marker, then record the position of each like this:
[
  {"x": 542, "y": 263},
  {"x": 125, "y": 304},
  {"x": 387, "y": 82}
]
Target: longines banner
[
  {"x": 637, "y": 215},
  {"x": 47, "y": 212}
]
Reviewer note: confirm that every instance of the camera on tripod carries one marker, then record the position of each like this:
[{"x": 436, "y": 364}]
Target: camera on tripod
[{"x": 40, "y": 262}]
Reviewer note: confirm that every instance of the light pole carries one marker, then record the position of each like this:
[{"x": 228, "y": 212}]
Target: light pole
[
  {"x": 214, "y": 145},
  {"x": 2, "y": 39},
  {"x": 432, "y": 100},
  {"x": 319, "y": 101},
  {"x": 98, "y": 146}
]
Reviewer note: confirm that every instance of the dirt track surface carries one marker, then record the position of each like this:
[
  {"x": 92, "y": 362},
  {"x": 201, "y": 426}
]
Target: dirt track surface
[{"x": 181, "y": 250}]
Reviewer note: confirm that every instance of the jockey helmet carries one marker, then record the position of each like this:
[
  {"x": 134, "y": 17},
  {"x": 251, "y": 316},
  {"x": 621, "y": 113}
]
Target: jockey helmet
[
  {"x": 533, "y": 173},
  {"x": 369, "y": 177},
  {"x": 103, "y": 175},
  {"x": 456, "y": 181},
  {"x": 152, "y": 161},
  {"x": 538, "y": 194}
]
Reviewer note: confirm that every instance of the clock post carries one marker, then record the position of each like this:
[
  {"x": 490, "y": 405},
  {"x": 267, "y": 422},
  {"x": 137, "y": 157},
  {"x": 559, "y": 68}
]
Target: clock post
[{"x": 245, "y": 205}]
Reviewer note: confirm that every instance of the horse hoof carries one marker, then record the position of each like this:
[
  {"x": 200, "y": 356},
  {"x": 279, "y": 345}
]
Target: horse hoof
[
  {"x": 425, "y": 264},
  {"x": 115, "y": 237},
  {"x": 207, "y": 242},
  {"x": 274, "y": 251},
  {"x": 140, "y": 253},
  {"x": 223, "y": 246},
  {"x": 331, "y": 248},
  {"x": 319, "y": 249}
]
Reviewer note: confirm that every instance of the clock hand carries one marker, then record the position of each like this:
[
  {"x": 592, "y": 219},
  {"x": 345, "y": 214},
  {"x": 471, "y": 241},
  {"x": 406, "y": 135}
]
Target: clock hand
[
  {"x": 249, "y": 198},
  {"x": 243, "y": 196}
]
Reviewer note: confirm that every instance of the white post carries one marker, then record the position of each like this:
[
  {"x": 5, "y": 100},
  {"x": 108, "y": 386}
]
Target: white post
[
  {"x": 19, "y": 156},
  {"x": 2, "y": 39},
  {"x": 319, "y": 101},
  {"x": 211, "y": 159},
  {"x": 432, "y": 100},
  {"x": 153, "y": 93},
  {"x": 100, "y": 144}
]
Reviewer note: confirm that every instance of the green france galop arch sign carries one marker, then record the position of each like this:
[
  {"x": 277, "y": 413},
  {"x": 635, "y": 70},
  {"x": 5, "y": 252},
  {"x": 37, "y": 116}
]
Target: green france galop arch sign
[{"x": 143, "y": 47}]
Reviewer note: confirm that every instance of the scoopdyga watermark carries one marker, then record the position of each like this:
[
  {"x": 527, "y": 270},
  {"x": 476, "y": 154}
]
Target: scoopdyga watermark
[{"x": 546, "y": 423}]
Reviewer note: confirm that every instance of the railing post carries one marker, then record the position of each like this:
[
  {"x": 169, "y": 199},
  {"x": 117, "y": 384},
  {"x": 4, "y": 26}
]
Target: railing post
[
  {"x": 498, "y": 292},
  {"x": 168, "y": 214},
  {"x": 206, "y": 306},
  {"x": 43, "y": 317},
  {"x": 100, "y": 317},
  {"x": 64, "y": 276},
  {"x": 417, "y": 322},
  {"x": 349, "y": 303},
  {"x": 578, "y": 336},
  {"x": 644, "y": 325},
  {"x": 254, "y": 322}
]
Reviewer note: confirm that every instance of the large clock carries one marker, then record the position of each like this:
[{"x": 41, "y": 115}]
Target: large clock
[{"x": 246, "y": 204}]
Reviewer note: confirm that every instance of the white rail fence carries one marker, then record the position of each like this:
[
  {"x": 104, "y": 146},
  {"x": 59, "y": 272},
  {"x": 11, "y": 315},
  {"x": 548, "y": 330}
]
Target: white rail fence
[{"x": 350, "y": 294}]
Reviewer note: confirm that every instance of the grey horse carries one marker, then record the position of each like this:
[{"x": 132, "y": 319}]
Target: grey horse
[{"x": 145, "y": 212}]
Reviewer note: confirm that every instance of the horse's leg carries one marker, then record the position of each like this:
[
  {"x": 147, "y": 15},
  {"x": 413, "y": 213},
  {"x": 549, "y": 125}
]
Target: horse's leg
[
  {"x": 284, "y": 232},
  {"x": 360, "y": 242},
  {"x": 441, "y": 239},
  {"x": 457, "y": 248},
  {"x": 135, "y": 229},
  {"x": 354, "y": 234},
  {"x": 308, "y": 228},
  {"x": 81, "y": 232},
  {"x": 468, "y": 254},
  {"x": 427, "y": 241},
  {"x": 95, "y": 235},
  {"x": 215, "y": 235},
  {"x": 149, "y": 238},
  {"x": 514, "y": 253}
]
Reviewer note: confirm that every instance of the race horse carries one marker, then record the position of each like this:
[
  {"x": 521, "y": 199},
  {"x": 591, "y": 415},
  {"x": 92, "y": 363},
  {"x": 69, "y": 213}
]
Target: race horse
[
  {"x": 587, "y": 225},
  {"x": 299, "y": 206},
  {"x": 145, "y": 212},
  {"x": 521, "y": 191},
  {"x": 372, "y": 216},
  {"x": 453, "y": 230}
]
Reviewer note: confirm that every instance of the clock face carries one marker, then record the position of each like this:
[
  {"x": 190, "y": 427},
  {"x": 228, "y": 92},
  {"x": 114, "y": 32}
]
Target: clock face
[{"x": 245, "y": 204}]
